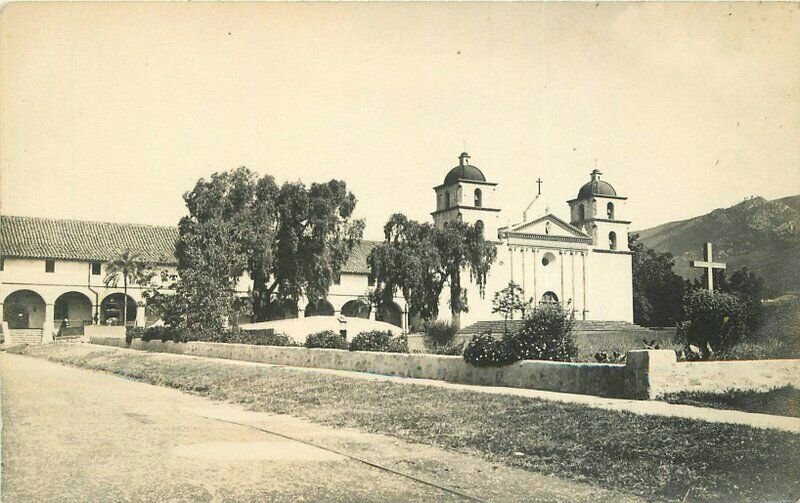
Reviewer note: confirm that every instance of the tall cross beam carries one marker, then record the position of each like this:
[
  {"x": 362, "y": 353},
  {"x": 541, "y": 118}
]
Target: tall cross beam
[
  {"x": 709, "y": 265},
  {"x": 539, "y": 183}
]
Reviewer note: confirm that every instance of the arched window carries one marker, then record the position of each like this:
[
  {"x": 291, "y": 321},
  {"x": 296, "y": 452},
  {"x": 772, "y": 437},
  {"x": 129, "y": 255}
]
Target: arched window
[
  {"x": 610, "y": 211},
  {"x": 612, "y": 240},
  {"x": 581, "y": 213},
  {"x": 479, "y": 227},
  {"x": 548, "y": 258},
  {"x": 446, "y": 199},
  {"x": 547, "y": 228},
  {"x": 478, "y": 198}
]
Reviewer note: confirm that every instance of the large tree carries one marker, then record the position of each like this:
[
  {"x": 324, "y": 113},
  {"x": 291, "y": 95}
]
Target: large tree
[
  {"x": 657, "y": 290},
  {"x": 419, "y": 259},
  {"x": 291, "y": 240}
]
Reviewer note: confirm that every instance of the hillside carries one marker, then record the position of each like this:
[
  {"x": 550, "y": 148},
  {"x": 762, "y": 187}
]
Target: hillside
[{"x": 759, "y": 234}]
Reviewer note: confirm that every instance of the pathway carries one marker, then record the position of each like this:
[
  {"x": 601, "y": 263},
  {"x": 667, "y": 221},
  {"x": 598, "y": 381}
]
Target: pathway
[{"x": 71, "y": 434}]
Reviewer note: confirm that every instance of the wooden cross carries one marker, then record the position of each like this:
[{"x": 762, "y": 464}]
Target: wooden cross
[
  {"x": 539, "y": 183},
  {"x": 709, "y": 265}
]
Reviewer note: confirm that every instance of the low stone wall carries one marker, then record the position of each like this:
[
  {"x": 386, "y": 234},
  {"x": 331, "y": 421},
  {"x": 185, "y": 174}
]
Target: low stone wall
[
  {"x": 757, "y": 375},
  {"x": 584, "y": 378},
  {"x": 646, "y": 374},
  {"x": 92, "y": 331}
]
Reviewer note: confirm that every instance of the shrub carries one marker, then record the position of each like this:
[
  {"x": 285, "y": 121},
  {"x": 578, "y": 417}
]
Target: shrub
[
  {"x": 439, "y": 339},
  {"x": 545, "y": 335},
  {"x": 163, "y": 334},
  {"x": 326, "y": 339},
  {"x": 483, "y": 350},
  {"x": 377, "y": 340},
  {"x": 714, "y": 321},
  {"x": 235, "y": 335}
]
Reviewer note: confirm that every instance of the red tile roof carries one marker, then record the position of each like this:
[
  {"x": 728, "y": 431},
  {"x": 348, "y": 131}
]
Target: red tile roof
[
  {"x": 32, "y": 237},
  {"x": 357, "y": 261}
]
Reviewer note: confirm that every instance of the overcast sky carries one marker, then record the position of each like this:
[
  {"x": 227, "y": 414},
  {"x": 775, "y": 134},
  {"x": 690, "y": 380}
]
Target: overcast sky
[{"x": 111, "y": 112}]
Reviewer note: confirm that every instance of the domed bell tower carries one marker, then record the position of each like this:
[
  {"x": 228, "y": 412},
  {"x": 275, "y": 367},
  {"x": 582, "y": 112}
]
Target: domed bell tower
[
  {"x": 466, "y": 196},
  {"x": 597, "y": 211}
]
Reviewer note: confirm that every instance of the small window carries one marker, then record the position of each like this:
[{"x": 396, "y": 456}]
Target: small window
[
  {"x": 478, "y": 198},
  {"x": 610, "y": 211},
  {"x": 49, "y": 265},
  {"x": 581, "y": 213},
  {"x": 548, "y": 258},
  {"x": 612, "y": 240},
  {"x": 95, "y": 268},
  {"x": 446, "y": 199},
  {"x": 2, "y": 263},
  {"x": 337, "y": 280},
  {"x": 479, "y": 227},
  {"x": 370, "y": 280}
]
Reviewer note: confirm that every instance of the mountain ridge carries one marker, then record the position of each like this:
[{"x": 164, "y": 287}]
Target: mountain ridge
[{"x": 756, "y": 233}]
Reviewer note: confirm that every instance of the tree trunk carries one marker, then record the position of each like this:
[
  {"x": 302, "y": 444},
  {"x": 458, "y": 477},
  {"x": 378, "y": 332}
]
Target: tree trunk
[
  {"x": 455, "y": 299},
  {"x": 260, "y": 297}
]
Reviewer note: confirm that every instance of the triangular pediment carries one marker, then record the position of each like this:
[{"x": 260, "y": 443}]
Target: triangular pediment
[{"x": 548, "y": 225}]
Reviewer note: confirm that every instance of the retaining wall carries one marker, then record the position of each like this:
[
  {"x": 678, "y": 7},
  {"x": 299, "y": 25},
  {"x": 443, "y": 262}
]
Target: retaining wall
[{"x": 646, "y": 374}]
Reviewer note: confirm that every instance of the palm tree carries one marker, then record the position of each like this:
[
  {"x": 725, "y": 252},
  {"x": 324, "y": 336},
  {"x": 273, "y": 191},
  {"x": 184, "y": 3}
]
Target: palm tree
[{"x": 132, "y": 269}]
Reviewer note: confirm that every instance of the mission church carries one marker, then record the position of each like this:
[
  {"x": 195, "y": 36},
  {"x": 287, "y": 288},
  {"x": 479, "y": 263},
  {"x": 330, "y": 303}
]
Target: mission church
[
  {"x": 51, "y": 270},
  {"x": 583, "y": 265}
]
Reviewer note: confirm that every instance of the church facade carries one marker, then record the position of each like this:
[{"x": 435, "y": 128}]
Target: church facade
[{"x": 583, "y": 264}]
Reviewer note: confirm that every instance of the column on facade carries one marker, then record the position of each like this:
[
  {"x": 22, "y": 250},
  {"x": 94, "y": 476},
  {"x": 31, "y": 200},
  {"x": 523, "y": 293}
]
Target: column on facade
[
  {"x": 141, "y": 317},
  {"x": 511, "y": 262},
  {"x": 523, "y": 259},
  {"x": 585, "y": 286},
  {"x": 535, "y": 267},
  {"x": 562, "y": 293},
  {"x": 49, "y": 323},
  {"x": 572, "y": 279}
]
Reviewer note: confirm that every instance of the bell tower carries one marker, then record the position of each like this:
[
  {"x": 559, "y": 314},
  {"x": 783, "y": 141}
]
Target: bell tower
[
  {"x": 466, "y": 196},
  {"x": 598, "y": 211}
]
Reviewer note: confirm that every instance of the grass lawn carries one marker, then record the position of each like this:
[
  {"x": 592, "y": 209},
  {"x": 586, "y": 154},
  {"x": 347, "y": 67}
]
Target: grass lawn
[
  {"x": 657, "y": 457},
  {"x": 781, "y": 401}
]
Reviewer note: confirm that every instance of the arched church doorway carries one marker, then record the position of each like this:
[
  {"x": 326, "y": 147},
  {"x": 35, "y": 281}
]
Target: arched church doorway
[
  {"x": 113, "y": 309},
  {"x": 390, "y": 313},
  {"x": 356, "y": 309},
  {"x": 549, "y": 299},
  {"x": 73, "y": 309},
  {"x": 319, "y": 308},
  {"x": 24, "y": 309}
]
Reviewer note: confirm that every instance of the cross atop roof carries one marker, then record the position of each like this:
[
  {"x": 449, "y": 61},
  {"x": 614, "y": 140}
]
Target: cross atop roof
[
  {"x": 709, "y": 265},
  {"x": 539, "y": 182}
]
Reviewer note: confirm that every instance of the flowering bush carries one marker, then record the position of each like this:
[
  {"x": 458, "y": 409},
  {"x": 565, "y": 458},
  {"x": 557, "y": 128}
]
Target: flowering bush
[
  {"x": 377, "y": 340},
  {"x": 483, "y": 350},
  {"x": 713, "y": 321},
  {"x": 545, "y": 335},
  {"x": 326, "y": 339}
]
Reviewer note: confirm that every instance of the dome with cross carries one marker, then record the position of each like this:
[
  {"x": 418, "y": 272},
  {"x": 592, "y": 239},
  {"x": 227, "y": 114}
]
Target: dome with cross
[
  {"x": 596, "y": 187},
  {"x": 464, "y": 171}
]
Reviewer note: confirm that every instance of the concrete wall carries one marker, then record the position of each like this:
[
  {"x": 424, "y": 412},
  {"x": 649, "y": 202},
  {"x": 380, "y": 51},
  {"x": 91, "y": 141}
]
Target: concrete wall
[
  {"x": 584, "y": 378},
  {"x": 647, "y": 374}
]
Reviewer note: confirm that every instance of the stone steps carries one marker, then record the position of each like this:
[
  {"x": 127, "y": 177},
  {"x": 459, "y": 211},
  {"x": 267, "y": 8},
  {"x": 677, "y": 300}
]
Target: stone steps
[{"x": 24, "y": 336}]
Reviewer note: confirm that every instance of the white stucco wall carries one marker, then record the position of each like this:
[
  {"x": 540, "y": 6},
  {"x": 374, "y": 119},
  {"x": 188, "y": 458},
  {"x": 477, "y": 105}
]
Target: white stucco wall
[{"x": 610, "y": 287}]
